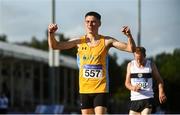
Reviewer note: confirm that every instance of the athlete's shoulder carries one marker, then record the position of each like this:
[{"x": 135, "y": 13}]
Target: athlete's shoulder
[
  {"x": 82, "y": 37},
  {"x": 149, "y": 62},
  {"x": 132, "y": 61},
  {"x": 79, "y": 40},
  {"x": 129, "y": 63},
  {"x": 108, "y": 40}
]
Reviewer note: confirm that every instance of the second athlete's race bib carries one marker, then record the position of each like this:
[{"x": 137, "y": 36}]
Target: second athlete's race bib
[{"x": 142, "y": 83}]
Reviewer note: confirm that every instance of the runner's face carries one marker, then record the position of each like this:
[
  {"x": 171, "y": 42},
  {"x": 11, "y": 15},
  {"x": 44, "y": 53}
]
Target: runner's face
[
  {"x": 139, "y": 57},
  {"x": 92, "y": 25}
]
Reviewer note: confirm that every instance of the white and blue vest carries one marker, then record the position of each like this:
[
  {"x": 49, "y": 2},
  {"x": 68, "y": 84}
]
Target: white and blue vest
[{"x": 142, "y": 77}]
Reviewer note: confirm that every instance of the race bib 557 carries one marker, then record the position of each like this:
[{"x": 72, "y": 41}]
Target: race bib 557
[{"x": 92, "y": 71}]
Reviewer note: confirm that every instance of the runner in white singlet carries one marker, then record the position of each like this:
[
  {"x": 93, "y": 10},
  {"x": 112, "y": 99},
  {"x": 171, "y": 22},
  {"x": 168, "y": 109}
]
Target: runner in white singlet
[{"x": 139, "y": 80}]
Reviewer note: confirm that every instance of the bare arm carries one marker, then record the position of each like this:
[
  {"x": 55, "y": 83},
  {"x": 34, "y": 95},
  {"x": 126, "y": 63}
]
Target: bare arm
[
  {"x": 129, "y": 46},
  {"x": 156, "y": 75},
  {"x": 62, "y": 45},
  {"x": 128, "y": 81}
]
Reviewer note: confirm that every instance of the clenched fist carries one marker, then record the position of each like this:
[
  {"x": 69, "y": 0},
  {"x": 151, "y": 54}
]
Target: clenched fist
[
  {"x": 126, "y": 31},
  {"x": 136, "y": 88},
  {"x": 52, "y": 28}
]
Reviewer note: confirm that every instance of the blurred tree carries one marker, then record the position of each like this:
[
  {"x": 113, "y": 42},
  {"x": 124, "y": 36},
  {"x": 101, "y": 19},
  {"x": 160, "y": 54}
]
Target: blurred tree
[
  {"x": 3, "y": 38},
  {"x": 35, "y": 43},
  {"x": 169, "y": 68},
  {"x": 43, "y": 45},
  {"x": 122, "y": 87},
  {"x": 114, "y": 73}
]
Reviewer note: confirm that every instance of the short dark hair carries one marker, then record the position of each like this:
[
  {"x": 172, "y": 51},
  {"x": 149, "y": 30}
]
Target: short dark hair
[
  {"x": 95, "y": 14},
  {"x": 141, "y": 50}
]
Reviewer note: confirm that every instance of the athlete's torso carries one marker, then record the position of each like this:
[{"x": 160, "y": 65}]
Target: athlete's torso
[
  {"x": 142, "y": 77},
  {"x": 93, "y": 67}
]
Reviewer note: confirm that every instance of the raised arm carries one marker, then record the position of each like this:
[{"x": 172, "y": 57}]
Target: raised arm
[
  {"x": 156, "y": 75},
  {"x": 62, "y": 45},
  {"x": 129, "y": 46}
]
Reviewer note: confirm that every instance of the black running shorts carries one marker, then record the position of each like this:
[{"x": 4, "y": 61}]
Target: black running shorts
[
  {"x": 93, "y": 100},
  {"x": 139, "y": 105}
]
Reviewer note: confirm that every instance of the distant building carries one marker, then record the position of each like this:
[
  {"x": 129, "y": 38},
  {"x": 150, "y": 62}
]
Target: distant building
[{"x": 24, "y": 76}]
